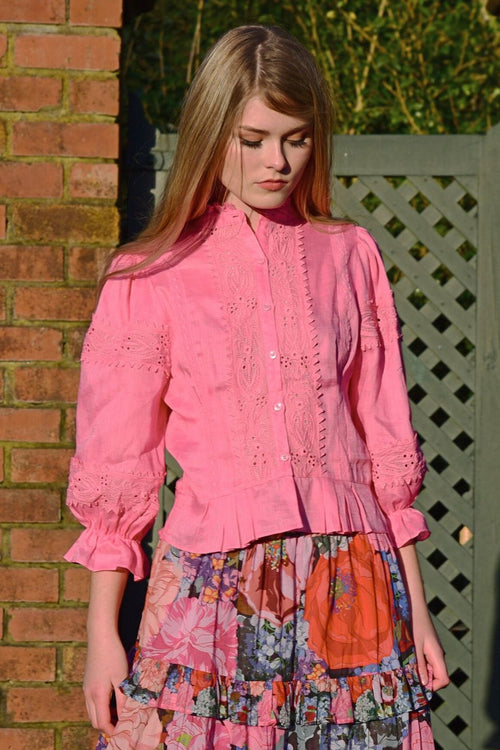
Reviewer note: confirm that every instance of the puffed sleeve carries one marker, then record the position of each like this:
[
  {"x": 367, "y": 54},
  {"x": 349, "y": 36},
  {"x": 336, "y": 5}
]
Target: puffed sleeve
[
  {"x": 118, "y": 466},
  {"x": 379, "y": 398}
]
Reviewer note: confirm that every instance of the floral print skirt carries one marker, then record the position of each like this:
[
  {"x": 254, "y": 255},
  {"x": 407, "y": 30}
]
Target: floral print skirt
[{"x": 301, "y": 642}]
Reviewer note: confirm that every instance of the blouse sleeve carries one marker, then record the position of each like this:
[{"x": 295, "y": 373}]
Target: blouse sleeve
[
  {"x": 380, "y": 402},
  {"x": 118, "y": 466}
]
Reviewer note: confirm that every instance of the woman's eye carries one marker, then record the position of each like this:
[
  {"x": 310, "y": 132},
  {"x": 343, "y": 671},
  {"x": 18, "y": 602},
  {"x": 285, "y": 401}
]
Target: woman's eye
[
  {"x": 250, "y": 144},
  {"x": 299, "y": 143}
]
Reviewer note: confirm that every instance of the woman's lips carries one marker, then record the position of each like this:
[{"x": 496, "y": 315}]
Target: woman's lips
[{"x": 272, "y": 184}]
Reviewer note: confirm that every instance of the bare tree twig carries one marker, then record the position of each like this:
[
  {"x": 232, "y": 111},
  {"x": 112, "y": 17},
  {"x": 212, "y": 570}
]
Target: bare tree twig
[
  {"x": 369, "y": 60},
  {"x": 396, "y": 91}
]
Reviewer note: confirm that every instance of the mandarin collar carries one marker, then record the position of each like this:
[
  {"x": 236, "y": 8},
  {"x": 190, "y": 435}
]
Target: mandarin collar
[{"x": 227, "y": 213}]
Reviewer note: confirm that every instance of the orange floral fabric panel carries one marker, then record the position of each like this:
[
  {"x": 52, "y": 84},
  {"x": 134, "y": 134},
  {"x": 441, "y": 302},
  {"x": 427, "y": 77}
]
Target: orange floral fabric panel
[{"x": 348, "y": 607}]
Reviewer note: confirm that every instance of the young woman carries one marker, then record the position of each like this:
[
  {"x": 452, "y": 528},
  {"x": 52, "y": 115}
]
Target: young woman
[{"x": 256, "y": 337}]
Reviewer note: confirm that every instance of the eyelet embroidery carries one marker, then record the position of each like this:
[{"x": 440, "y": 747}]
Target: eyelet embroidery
[
  {"x": 379, "y": 324},
  {"x": 136, "y": 346},
  {"x": 299, "y": 348},
  {"x": 91, "y": 488},
  {"x": 299, "y": 355},
  {"x": 400, "y": 464},
  {"x": 252, "y": 433}
]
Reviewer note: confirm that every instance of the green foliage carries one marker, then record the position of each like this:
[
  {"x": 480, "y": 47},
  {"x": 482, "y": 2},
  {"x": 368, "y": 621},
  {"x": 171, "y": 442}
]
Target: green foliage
[{"x": 394, "y": 66}]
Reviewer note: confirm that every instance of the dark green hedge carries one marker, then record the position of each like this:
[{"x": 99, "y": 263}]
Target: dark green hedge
[{"x": 394, "y": 66}]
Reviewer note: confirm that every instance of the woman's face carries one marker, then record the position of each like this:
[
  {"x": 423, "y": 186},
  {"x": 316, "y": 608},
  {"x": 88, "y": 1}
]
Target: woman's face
[{"x": 265, "y": 159}]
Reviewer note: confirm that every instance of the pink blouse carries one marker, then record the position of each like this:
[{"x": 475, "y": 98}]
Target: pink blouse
[{"x": 269, "y": 365}]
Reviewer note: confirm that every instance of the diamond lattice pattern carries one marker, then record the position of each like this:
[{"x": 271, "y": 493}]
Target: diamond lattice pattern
[{"x": 427, "y": 230}]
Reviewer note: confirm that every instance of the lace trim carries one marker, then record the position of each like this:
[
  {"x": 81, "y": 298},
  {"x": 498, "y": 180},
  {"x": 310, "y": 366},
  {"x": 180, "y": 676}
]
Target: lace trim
[
  {"x": 137, "y": 347},
  {"x": 400, "y": 464},
  {"x": 91, "y": 488},
  {"x": 299, "y": 349},
  {"x": 379, "y": 324}
]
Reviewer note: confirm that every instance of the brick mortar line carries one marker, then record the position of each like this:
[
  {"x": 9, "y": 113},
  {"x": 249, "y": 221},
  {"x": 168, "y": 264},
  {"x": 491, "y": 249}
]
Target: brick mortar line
[
  {"x": 9, "y": 302},
  {"x": 14, "y": 29},
  {"x": 39, "y": 526},
  {"x": 58, "y": 160},
  {"x": 58, "y": 683},
  {"x": 68, "y": 284},
  {"x": 56, "y": 487},
  {"x": 34, "y": 565},
  {"x": 38, "y": 444},
  {"x": 55, "y": 725},
  {"x": 42, "y": 284},
  {"x": 71, "y": 73},
  {"x": 19, "y": 405},
  {"x": 61, "y": 243},
  {"x": 11, "y": 366},
  {"x": 45, "y": 605},
  {"x": 63, "y": 202},
  {"x": 69, "y": 202},
  {"x": 71, "y": 117},
  {"x": 28, "y": 406},
  {"x": 54, "y": 324}
]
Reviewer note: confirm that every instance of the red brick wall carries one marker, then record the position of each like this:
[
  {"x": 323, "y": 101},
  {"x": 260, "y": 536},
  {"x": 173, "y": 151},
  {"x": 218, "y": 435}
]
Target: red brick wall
[{"x": 58, "y": 185}]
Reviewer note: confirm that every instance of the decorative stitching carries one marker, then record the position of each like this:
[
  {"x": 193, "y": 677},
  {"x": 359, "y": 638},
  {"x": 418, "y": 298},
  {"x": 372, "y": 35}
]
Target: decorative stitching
[
  {"x": 299, "y": 349},
  {"x": 137, "y": 347},
  {"x": 251, "y": 428},
  {"x": 400, "y": 464},
  {"x": 93, "y": 488},
  {"x": 379, "y": 324}
]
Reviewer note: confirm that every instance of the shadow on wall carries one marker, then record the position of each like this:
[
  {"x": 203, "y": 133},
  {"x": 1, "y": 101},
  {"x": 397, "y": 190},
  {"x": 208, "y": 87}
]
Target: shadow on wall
[
  {"x": 139, "y": 176},
  {"x": 131, "y": 611},
  {"x": 138, "y": 170},
  {"x": 133, "y": 603}
]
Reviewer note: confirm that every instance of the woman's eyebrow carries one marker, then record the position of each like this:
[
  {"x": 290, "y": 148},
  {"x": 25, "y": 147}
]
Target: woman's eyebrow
[{"x": 258, "y": 131}]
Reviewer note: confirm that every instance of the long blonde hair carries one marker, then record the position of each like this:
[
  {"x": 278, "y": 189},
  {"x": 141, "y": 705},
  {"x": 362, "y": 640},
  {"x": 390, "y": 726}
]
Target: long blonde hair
[{"x": 247, "y": 61}]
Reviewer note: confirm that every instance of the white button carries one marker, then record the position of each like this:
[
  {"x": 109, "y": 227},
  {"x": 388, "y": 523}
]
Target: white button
[
  {"x": 285, "y": 457},
  {"x": 273, "y": 354},
  {"x": 261, "y": 261},
  {"x": 267, "y": 307},
  {"x": 278, "y": 406}
]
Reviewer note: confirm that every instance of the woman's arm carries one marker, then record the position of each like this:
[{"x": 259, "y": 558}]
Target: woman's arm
[
  {"x": 119, "y": 463},
  {"x": 106, "y": 658},
  {"x": 379, "y": 399},
  {"x": 429, "y": 652}
]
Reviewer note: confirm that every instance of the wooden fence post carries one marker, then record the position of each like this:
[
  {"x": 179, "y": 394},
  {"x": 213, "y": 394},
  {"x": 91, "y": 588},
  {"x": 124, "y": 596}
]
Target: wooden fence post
[{"x": 486, "y": 587}]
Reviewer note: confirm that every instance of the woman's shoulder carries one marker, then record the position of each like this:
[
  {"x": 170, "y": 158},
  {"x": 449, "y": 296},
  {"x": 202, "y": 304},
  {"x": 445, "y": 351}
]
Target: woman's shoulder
[
  {"x": 357, "y": 241},
  {"x": 138, "y": 259},
  {"x": 354, "y": 249},
  {"x": 130, "y": 289}
]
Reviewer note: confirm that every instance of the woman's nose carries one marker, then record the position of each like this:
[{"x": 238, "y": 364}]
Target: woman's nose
[{"x": 276, "y": 157}]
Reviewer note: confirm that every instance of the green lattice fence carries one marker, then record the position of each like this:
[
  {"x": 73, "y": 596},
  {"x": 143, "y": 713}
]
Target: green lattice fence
[{"x": 433, "y": 205}]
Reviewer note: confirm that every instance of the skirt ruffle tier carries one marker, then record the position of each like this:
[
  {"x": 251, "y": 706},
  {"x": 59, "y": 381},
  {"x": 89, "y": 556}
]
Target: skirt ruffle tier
[{"x": 296, "y": 643}]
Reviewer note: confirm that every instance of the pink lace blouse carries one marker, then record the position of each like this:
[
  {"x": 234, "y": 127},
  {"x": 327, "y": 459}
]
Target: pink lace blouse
[{"x": 269, "y": 365}]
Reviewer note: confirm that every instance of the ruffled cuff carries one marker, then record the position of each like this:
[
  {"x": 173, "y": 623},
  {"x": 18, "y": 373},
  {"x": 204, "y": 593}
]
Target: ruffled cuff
[
  {"x": 408, "y": 525},
  {"x": 117, "y": 511},
  {"x": 110, "y": 552}
]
